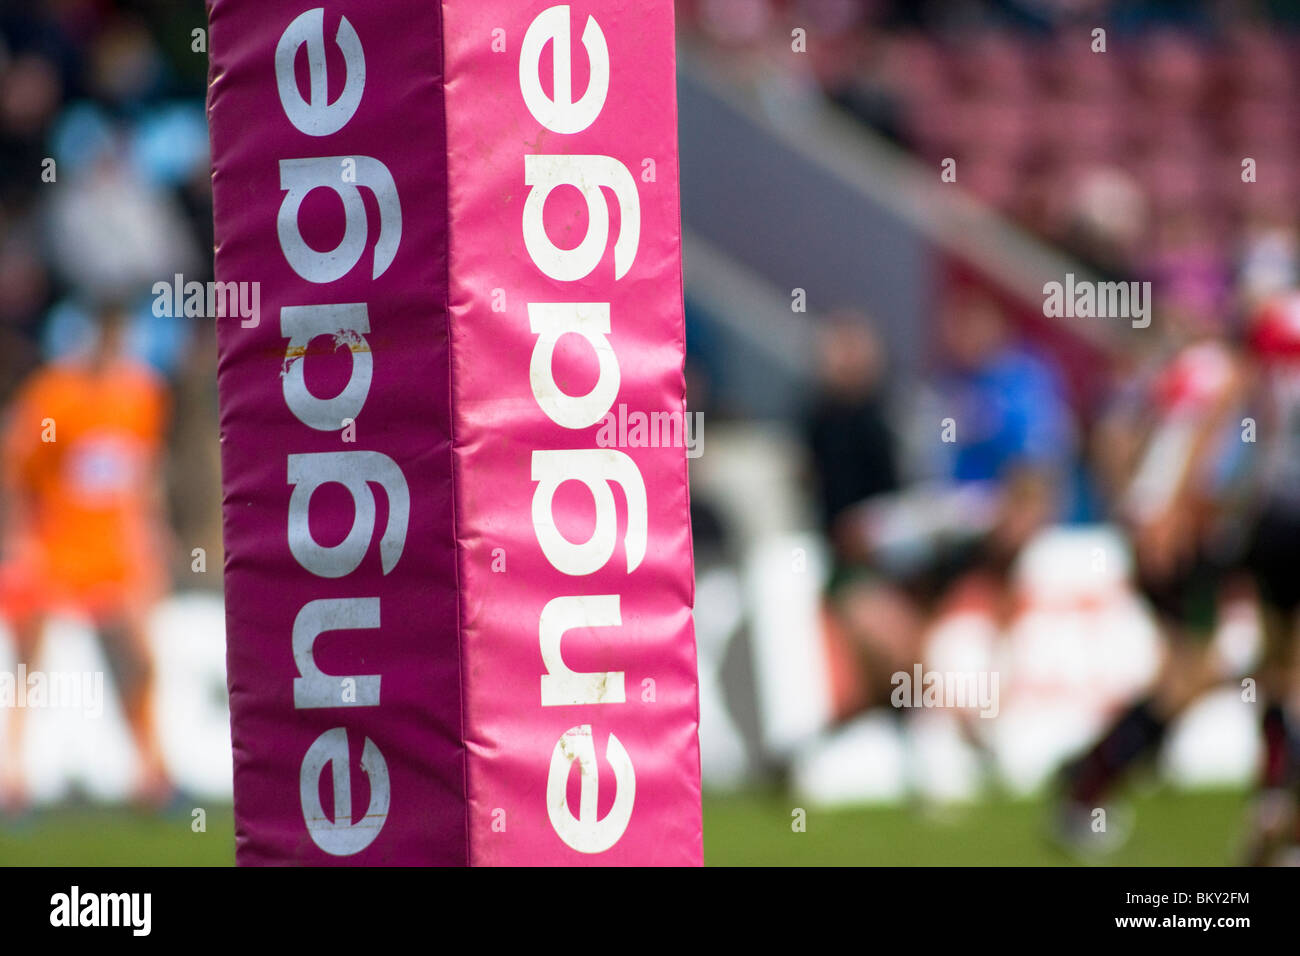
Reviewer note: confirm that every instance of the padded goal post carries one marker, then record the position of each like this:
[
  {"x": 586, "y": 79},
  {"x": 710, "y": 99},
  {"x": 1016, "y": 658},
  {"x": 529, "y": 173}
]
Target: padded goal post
[{"x": 458, "y": 619}]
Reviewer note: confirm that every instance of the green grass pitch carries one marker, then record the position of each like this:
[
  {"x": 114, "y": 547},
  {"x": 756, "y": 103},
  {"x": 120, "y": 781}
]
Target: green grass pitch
[{"x": 752, "y": 829}]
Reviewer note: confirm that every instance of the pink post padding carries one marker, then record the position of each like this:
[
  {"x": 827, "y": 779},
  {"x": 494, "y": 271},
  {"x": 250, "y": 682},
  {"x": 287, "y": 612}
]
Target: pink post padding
[
  {"x": 414, "y": 642},
  {"x": 497, "y": 291}
]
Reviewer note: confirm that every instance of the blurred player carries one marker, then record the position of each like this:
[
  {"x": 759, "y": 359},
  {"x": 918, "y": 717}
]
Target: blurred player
[
  {"x": 1173, "y": 451},
  {"x": 900, "y": 554},
  {"x": 83, "y": 527},
  {"x": 1274, "y": 560},
  {"x": 1013, "y": 435}
]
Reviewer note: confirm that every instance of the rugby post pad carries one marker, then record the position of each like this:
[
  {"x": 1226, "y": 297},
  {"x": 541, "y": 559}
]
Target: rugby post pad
[{"x": 458, "y": 596}]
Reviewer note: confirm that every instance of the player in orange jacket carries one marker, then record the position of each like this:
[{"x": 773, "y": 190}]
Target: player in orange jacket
[{"x": 83, "y": 525}]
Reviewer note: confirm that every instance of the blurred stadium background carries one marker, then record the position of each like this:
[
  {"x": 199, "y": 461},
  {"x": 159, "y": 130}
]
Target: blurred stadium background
[{"x": 812, "y": 202}]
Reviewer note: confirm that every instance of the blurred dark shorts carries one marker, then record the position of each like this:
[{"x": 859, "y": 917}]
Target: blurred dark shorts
[
  {"x": 1188, "y": 597},
  {"x": 1273, "y": 557},
  {"x": 925, "y": 584}
]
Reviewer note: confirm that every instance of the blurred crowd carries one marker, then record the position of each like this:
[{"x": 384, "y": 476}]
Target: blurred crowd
[
  {"x": 104, "y": 191},
  {"x": 1126, "y": 149}
]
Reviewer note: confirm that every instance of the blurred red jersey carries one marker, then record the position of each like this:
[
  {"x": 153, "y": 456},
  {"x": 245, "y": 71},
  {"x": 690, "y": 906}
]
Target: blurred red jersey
[{"x": 1275, "y": 343}]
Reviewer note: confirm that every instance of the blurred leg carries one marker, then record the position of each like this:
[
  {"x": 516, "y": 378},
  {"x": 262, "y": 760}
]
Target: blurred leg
[
  {"x": 1275, "y": 687},
  {"x": 1275, "y": 817},
  {"x": 13, "y": 791},
  {"x": 885, "y": 627},
  {"x": 1273, "y": 559},
  {"x": 126, "y": 644},
  {"x": 1186, "y": 673}
]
